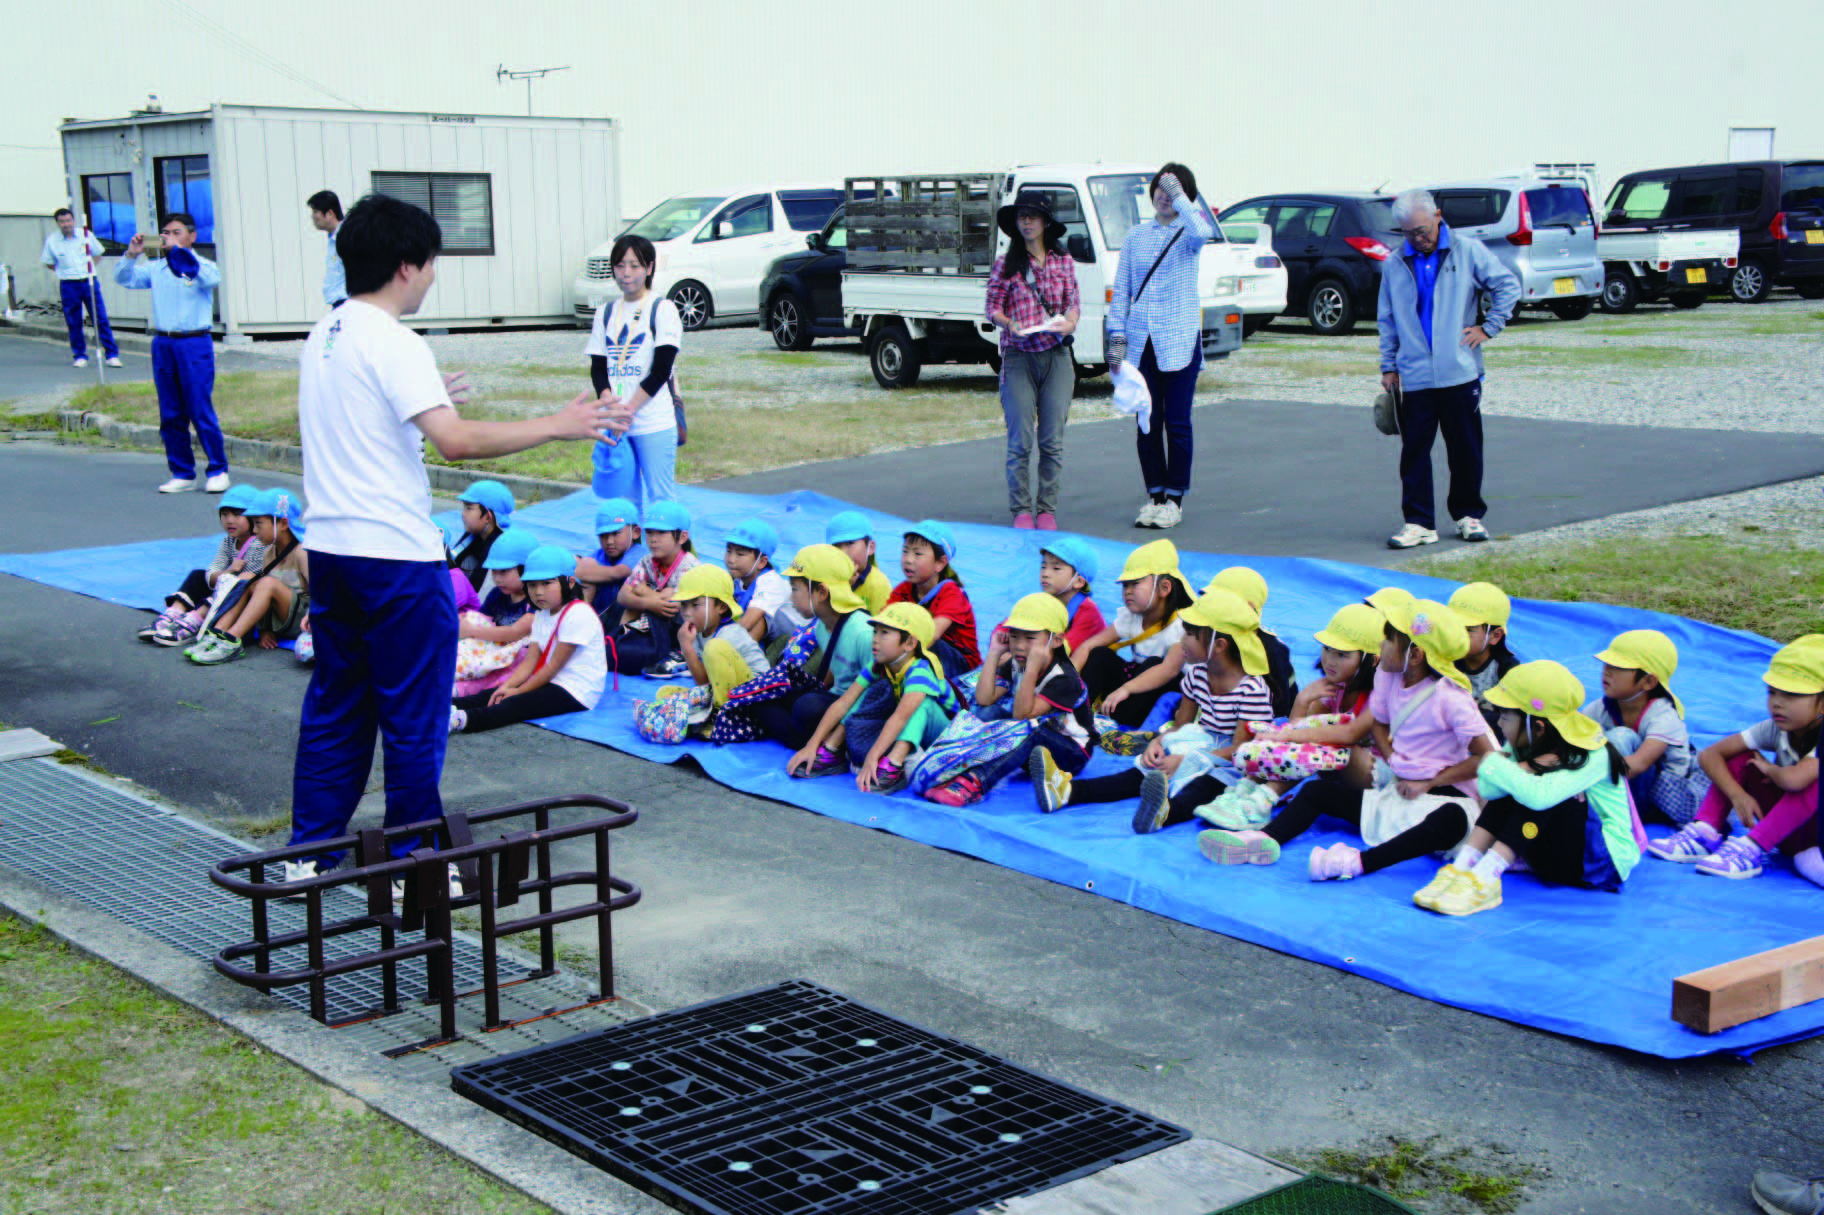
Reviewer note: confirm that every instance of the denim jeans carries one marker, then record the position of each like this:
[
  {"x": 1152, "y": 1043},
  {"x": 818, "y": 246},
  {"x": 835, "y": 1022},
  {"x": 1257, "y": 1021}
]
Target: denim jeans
[
  {"x": 1167, "y": 471},
  {"x": 1036, "y": 388},
  {"x": 647, "y": 472}
]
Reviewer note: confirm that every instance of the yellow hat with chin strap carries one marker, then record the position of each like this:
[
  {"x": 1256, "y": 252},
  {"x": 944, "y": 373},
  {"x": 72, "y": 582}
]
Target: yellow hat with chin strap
[
  {"x": 1437, "y": 631},
  {"x": 1230, "y": 615},
  {"x": 1798, "y": 668},
  {"x": 911, "y": 619},
  {"x": 709, "y": 582},
  {"x": 1244, "y": 582},
  {"x": 1380, "y": 600},
  {"x": 830, "y": 566},
  {"x": 1482, "y": 603},
  {"x": 1160, "y": 558},
  {"x": 1355, "y": 627},
  {"x": 1040, "y": 613},
  {"x": 1648, "y": 651},
  {"x": 1546, "y": 689}
]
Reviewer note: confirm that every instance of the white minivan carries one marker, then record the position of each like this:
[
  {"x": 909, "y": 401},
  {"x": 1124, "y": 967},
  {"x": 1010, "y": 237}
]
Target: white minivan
[{"x": 714, "y": 247}]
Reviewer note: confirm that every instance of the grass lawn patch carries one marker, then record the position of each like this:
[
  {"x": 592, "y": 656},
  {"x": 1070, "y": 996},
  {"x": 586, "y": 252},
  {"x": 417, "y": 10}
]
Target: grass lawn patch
[
  {"x": 120, "y": 1099},
  {"x": 1428, "y": 1174},
  {"x": 1809, "y": 325},
  {"x": 1620, "y": 357}
]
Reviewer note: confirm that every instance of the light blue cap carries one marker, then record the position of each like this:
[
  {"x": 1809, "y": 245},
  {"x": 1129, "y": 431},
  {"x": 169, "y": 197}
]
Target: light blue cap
[
  {"x": 237, "y": 497},
  {"x": 1074, "y": 552},
  {"x": 938, "y": 534},
  {"x": 510, "y": 548},
  {"x": 548, "y": 561},
  {"x": 756, "y": 534},
  {"x": 666, "y": 517},
  {"x": 490, "y": 495},
  {"x": 614, "y": 514},
  {"x": 280, "y": 504},
  {"x": 848, "y": 526}
]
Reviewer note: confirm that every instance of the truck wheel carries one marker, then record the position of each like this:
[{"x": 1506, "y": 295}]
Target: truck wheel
[
  {"x": 1330, "y": 309},
  {"x": 1749, "y": 284},
  {"x": 895, "y": 357},
  {"x": 1620, "y": 293},
  {"x": 1686, "y": 299},
  {"x": 1572, "y": 309},
  {"x": 693, "y": 303},
  {"x": 785, "y": 320}
]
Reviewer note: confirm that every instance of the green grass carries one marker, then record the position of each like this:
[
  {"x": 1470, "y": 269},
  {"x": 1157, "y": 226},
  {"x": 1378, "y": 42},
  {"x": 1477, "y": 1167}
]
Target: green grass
[
  {"x": 1621, "y": 357},
  {"x": 120, "y": 1099},
  {"x": 1809, "y": 325},
  {"x": 1426, "y": 1172}
]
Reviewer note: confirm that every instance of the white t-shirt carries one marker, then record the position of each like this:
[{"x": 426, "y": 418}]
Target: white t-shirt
[
  {"x": 1765, "y": 736},
  {"x": 627, "y": 335},
  {"x": 1129, "y": 624},
  {"x": 587, "y": 671},
  {"x": 363, "y": 377}
]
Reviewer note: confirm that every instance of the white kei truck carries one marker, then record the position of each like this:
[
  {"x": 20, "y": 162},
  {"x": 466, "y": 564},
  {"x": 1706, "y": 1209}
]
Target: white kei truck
[{"x": 921, "y": 246}]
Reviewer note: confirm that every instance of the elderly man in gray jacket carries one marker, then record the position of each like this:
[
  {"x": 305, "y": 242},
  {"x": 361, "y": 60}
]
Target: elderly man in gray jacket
[{"x": 1431, "y": 361}]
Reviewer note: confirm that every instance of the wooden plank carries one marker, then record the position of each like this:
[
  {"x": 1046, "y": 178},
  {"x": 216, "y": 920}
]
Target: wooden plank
[
  {"x": 26, "y": 744},
  {"x": 1747, "y": 989},
  {"x": 1190, "y": 1179},
  {"x": 870, "y": 260}
]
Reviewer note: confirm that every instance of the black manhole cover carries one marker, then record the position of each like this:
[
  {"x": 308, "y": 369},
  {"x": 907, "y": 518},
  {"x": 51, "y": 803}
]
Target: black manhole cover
[{"x": 794, "y": 1100}]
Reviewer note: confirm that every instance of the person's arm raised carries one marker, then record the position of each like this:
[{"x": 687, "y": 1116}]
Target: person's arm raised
[{"x": 460, "y": 438}]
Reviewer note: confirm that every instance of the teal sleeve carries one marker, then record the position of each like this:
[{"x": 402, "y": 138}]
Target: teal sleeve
[{"x": 1500, "y": 776}]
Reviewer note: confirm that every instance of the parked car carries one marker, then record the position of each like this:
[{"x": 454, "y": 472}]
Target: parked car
[
  {"x": 1263, "y": 283},
  {"x": 1544, "y": 231},
  {"x": 1333, "y": 247},
  {"x": 803, "y": 290},
  {"x": 1777, "y": 205},
  {"x": 714, "y": 246}
]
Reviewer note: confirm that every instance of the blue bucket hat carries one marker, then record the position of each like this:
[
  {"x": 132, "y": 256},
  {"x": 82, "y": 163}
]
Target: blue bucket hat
[
  {"x": 848, "y": 526},
  {"x": 757, "y": 535},
  {"x": 279, "y": 504},
  {"x": 547, "y": 561},
  {"x": 938, "y": 534},
  {"x": 614, "y": 514},
  {"x": 1074, "y": 552},
  {"x": 490, "y": 496},
  {"x": 238, "y": 497},
  {"x": 666, "y": 517},
  {"x": 510, "y": 549}
]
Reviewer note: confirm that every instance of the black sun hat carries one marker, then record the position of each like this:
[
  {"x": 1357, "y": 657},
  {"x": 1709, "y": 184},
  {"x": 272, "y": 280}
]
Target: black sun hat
[{"x": 1028, "y": 200}]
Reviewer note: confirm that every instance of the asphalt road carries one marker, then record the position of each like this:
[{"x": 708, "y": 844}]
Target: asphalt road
[
  {"x": 1235, "y": 1041},
  {"x": 30, "y": 365}
]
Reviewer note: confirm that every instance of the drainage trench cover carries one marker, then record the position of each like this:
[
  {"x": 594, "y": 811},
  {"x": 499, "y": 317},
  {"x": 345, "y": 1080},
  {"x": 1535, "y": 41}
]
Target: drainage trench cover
[{"x": 795, "y": 1100}]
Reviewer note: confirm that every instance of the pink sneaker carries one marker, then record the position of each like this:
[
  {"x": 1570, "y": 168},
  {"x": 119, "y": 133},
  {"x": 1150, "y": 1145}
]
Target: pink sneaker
[
  {"x": 965, "y": 790},
  {"x": 1023, "y": 520},
  {"x": 1047, "y": 522},
  {"x": 1339, "y": 862}
]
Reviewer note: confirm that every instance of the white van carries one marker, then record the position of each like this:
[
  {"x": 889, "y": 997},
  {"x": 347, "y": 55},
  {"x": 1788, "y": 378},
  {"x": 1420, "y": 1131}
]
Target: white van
[{"x": 714, "y": 246}]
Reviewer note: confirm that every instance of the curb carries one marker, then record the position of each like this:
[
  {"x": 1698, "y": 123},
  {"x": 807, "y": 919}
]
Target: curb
[{"x": 126, "y": 339}]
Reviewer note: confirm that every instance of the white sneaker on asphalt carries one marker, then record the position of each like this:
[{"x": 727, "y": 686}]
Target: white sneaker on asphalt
[
  {"x": 217, "y": 484},
  {"x": 1411, "y": 536},
  {"x": 1149, "y": 515},
  {"x": 1471, "y": 530},
  {"x": 79, "y": 363},
  {"x": 177, "y": 485},
  {"x": 1170, "y": 515},
  {"x": 114, "y": 362}
]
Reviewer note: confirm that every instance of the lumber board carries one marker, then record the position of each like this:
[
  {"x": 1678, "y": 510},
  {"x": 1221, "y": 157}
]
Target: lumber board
[
  {"x": 1190, "y": 1179},
  {"x": 1747, "y": 989},
  {"x": 918, "y": 261}
]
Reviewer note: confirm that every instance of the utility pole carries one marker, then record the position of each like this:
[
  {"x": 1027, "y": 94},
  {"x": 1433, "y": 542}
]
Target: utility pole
[{"x": 502, "y": 73}]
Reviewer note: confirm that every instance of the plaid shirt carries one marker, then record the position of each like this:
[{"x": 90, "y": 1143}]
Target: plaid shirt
[{"x": 1056, "y": 283}]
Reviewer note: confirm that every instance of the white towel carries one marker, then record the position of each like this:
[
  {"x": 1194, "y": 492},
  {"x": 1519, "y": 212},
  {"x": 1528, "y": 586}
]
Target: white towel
[{"x": 1131, "y": 395}]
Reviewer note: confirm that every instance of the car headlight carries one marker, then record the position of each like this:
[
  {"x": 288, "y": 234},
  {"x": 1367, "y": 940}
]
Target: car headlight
[{"x": 1228, "y": 284}]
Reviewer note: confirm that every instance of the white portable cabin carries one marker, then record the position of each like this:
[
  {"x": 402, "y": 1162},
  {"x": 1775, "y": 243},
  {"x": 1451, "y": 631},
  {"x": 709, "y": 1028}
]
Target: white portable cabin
[{"x": 521, "y": 202}]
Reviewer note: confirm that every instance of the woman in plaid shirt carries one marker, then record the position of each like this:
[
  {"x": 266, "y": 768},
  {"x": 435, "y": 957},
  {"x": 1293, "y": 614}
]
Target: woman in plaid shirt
[{"x": 1032, "y": 296}]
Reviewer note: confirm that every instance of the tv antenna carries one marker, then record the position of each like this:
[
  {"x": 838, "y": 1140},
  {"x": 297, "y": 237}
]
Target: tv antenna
[{"x": 502, "y": 73}]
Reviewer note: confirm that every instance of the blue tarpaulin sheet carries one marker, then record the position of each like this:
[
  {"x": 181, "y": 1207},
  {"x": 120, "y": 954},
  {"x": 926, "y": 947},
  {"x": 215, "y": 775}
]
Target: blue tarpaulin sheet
[{"x": 1590, "y": 965}]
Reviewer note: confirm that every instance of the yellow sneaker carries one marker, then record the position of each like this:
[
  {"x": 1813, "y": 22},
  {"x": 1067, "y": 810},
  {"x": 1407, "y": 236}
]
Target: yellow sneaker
[
  {"x": 1469, "y": 895},
  {"x": 1050, "y": 783},
  {"x": 1428, "y": 895}
]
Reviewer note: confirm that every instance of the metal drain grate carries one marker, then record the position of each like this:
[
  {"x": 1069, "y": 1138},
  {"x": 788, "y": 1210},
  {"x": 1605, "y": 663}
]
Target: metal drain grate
[
  {"x": 149, "y": 868},
  {"x": 795, "y": 1100}
]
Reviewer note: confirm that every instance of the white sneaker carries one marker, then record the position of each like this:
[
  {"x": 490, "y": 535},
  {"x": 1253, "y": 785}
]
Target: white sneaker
[
  {"x": 456, "y": 890},
  {"x": 80, "y": 363},
  {"x": 219, "y": 483},
  {"x": 458, "y": 720},
  {"x": 114, "y": 362},
  {"x": 1471, "y": 530},
  {"x": 177, "y": 485},
  {"x": 1411, "y": 536},
  {"x": 299, "y": 871},
  {"x": 1170, "y": 515},
  {"x": 1149, "y": 514}
]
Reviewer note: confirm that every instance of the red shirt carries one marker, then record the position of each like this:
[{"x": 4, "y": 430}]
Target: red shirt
[
  {"x": 1085, "y": 624},
  {"x": 950, "y": 602}
]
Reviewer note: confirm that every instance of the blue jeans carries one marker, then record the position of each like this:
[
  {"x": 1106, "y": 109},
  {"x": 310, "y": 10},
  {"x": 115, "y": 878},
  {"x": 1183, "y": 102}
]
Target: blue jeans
[
  {"x": 183, "y": 370},
  {"x": 1035, "y": 395},
  {"x": 386, "y": 662},
  {"x": 1168, "y": 472},
  {"x": 75, "y": 298},
  {"x": 647, "y": 463}
]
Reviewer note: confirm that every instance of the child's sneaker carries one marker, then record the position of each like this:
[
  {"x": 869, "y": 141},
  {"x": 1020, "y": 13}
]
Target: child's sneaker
[
  {"x": 1127, "y": 742},
  {"x": 160, "y": 623},
  {"x": 965, "y": 790},
  {"x": 1739, "y": 857},
  {"x": 1427, "y": 896},
  {"x": 1050, "y": 783},
  {"x": 1337, "y": 863},
  {"x": 1691, "y": 844},
  {"x": 214, "y": 649},
  {"x": 1155, "y": 812},
  {"x": 459, "y": 720},
  {"x": 1226, "y": 812},
  {"x": 825, "y": 763},
  {"x": 1238, "y": 847},
  {"x": 890, "y": 777},
  {"x": 669, "y": 667},
  {"x": 1468, "y": 895}
]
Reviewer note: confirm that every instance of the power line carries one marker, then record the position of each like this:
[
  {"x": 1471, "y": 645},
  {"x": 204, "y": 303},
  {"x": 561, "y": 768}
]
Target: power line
[{"x": 255, "y": 53}]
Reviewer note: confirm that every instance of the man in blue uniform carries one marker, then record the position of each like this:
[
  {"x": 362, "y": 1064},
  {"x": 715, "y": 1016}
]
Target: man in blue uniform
[{"x": 67, "y": 255}]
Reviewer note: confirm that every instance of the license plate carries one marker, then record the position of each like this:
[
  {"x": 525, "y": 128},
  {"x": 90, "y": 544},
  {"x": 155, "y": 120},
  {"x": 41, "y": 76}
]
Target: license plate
[
  {"x": 1814, "y": 236},
  {"x": 1696, "y": 276},
  {"x": 1564, "y": 286}
]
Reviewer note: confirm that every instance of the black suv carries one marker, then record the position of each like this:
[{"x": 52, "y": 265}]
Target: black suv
[
  {"x": 1778, "y": 205},
  {"x": 1333, "y": 245},
  {"x": 801, "y": 293}
]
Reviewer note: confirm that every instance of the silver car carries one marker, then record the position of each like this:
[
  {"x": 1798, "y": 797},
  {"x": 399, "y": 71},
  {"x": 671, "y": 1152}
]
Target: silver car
[{"x": 1545, "y": 232}]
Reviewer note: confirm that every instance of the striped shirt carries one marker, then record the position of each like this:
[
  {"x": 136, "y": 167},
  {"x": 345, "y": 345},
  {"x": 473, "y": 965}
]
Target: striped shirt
[
  {"x": 1248, "y": 701},
  {"x": 249, "y": 550},
  {"x": 1170, "y": 311}
]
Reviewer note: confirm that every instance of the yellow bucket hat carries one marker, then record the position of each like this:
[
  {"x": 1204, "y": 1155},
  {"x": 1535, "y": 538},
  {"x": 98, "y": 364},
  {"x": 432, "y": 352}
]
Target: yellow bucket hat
[
  {"x": 909, "y": 618},
  {"x": 1355, "y": 626},
  {"x": 1482, "y": 603},
  {"x": 1040, "y": 613},
  {"x": 1244, "y": 582},
  {"x": 829, "y": 565},
  {"x": 1799, "y": 667},
  {"x": 1437, "y": 631},
  {"x": 1546, "y": 689},
  {"x": 709, "y": 582},
  {"x": 1158, "y": 558},
  {"x": 1646, "y": 650},
  {"x": 1388, "y": 595},
  {"x": 1230, "y": 615}
]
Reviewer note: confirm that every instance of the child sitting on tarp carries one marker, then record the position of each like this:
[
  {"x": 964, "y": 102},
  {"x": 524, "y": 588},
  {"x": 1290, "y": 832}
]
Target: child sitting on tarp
[
  {"x": 492, "y": 635},
  {"x": 646, "y": 642},
  {"x": 617, "y": 531},
  {"x": 1153, "y": 592},
  {"x": 487, "y": 511},
  {"x": 718, "y": 650},
  {"x": 1646, "y": 723},
  {"x": 927, "y": 558},
  {"x": 1067, "y": 567},
  {"x": 564, "y": 669},
  {"x": 897, "y": 706},
  {"x": 1029, "y": 701},
  {"x": 239, "y": 554},
  {"x": 277, "y": 600},
  {"x": 765, "y": 598},
  {"x": 1485, "y": 611},
  {"x": 850, "y": 531}
]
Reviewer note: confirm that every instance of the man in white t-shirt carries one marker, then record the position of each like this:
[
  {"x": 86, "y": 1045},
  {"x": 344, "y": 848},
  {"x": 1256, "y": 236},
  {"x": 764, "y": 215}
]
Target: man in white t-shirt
[{"x": 382, "y": 612}]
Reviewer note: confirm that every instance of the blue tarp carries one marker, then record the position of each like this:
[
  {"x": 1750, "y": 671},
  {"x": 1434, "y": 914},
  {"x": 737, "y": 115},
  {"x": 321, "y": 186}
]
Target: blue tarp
[{"x": 1594, "y": 966}]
